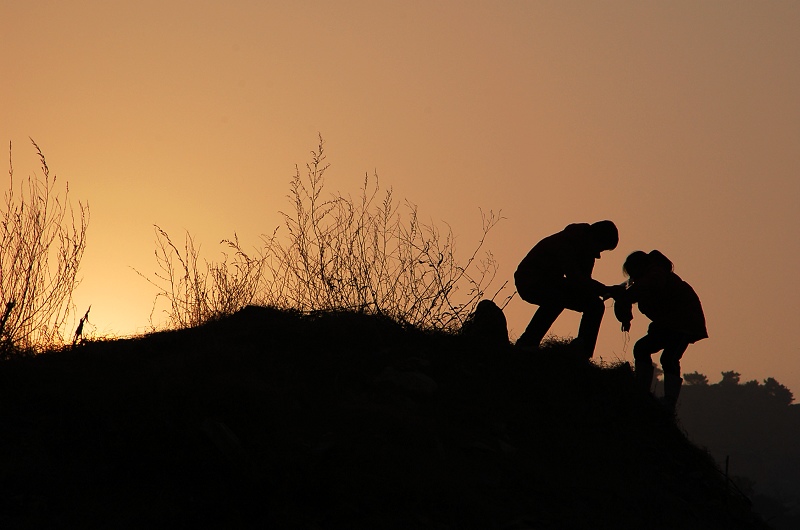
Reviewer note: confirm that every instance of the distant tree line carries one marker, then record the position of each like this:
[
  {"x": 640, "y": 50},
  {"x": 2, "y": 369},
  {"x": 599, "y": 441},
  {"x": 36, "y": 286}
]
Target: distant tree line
[
  {"x": 751, "y": 428},
  {"x": 731, "y": 384}
]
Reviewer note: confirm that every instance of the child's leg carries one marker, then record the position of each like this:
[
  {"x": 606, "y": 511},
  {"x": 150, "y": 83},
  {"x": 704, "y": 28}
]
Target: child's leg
[
  {"x": 643, "y": 363},
  {"x": 671, "y": 364},
  {"x": 671, "y": 357}
]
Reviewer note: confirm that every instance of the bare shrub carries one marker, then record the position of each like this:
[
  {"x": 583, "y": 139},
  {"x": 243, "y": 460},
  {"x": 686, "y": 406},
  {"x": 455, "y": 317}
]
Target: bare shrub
[
  {"x": 42, "y": 240},
  {"x": 364, "y": 255},
  {"x": 334, "y": 253},
  {"x": 196, "y": 291}
]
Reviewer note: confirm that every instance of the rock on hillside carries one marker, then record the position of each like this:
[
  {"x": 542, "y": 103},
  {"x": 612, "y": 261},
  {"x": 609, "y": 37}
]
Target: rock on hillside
[{"x": 340, "y": 420}]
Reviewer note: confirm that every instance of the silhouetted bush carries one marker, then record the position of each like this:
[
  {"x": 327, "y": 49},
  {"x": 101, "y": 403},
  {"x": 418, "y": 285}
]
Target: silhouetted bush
[
  {"x": 695, "y": 378},
  {"x": 42, "y": 239},
  {"x": 198, "y": 291},
  {"x": 333, "y": 253}
]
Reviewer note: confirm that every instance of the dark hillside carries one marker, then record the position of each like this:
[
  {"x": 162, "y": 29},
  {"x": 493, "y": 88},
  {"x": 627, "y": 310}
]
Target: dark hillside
[{"x": 273, "y": 419}]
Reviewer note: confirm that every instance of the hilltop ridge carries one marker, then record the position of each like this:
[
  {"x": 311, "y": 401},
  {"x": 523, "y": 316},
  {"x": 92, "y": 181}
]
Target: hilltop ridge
[{"x": 342, "y": 420}]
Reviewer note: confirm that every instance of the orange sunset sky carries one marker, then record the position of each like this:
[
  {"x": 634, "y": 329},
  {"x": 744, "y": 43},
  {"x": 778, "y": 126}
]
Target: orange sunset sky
[{"x": 678, "y": 120}]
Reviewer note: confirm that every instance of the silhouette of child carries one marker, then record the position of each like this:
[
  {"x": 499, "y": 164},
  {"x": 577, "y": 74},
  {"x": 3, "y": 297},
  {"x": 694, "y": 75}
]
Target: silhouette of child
[
  {"x": 557, "y": 274},
  {"x": 676, "y": 315}
]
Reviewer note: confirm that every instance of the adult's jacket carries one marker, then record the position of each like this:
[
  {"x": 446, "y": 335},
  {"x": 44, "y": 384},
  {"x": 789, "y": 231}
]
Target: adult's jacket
[{"x": 567, "y": 254}]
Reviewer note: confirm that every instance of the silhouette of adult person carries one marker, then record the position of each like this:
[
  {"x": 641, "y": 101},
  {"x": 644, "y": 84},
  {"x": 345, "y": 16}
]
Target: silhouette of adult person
[
  {"x": 557, "y": 274},
  {"x": 676, "y": 315}
]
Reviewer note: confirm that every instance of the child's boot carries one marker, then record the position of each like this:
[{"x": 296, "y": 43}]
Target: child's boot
[
  {"x": 644, "y": 374},
  {"x": 672, "y": 389}
]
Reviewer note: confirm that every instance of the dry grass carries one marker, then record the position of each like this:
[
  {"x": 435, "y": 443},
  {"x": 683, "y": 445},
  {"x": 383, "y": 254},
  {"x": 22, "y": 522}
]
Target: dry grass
[
  {"x": 42, "y": 240},
  {"x": 333, "y": 252}
]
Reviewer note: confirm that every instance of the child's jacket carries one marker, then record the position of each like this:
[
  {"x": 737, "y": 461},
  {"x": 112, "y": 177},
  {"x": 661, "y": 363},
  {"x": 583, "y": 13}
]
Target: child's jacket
[{"x": 667, "y": 300}]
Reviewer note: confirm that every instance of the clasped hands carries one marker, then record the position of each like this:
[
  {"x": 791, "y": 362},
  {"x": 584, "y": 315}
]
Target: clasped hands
[{"x": 614, "y": 291}]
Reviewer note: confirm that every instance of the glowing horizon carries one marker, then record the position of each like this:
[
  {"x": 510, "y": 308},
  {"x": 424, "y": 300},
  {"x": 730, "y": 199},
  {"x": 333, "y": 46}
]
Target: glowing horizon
[{"x": 678, "y": 121}]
